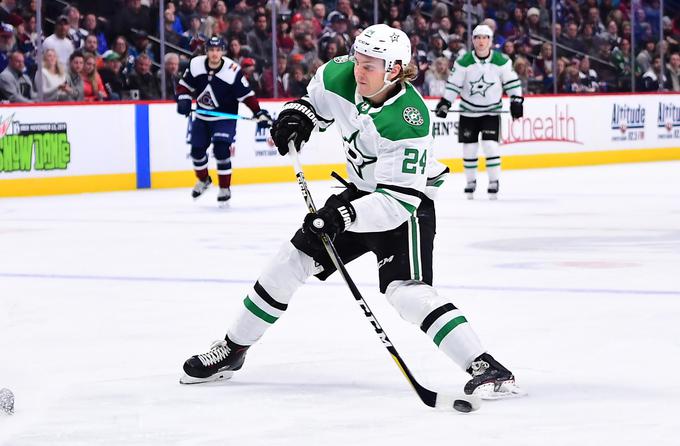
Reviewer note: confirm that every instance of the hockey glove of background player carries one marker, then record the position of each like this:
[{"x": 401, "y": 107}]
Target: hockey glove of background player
[
  {"x": 442, "y": 109},
  {"x": 516, "y": 107},
  {"x": 263, "y": 119},
  {"x": 184, "y": 104},
  {"x": 295, "y": 122},
  {"x": 332, "y": 219}
]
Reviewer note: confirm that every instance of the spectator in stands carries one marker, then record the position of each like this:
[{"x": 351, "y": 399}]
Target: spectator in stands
[
  {"x": 455, "y": 48},
  {"x": 570, "y": 40},
  {"x": 93, "y": 87},
  {"x": 620, "y": 57},
  {"x": 120, "y": 46},
  {"x": 242, "y": 11},
  {"x": 588, "y": 39},
  {"x": 305, "y": 45},
  {"x": 15, "y": 85},
  {"x": 7, "y": 42},
  {"x": 142, "y": 80},
  {"x": 237, "y": 31},
  {"x": 113, "y": 81},
  {"x": 644, "y": 57},
  {"x": 606, "y": 72},
  {"x": 53, "y": 77},
  {"x": 74, "y": 80},
  {"x": 194, "y": 36},
  {"x": 543, "y": 65},
  {"x": 437, "y": 47},
  {"x": 654, "y": 79},
  {"x": 187, "y": 9},
  {"x": 523, "y": 70},
  {"x": 75, "y": 32},
  {"x": 6, "y": 8},
  {"x": 90, "y": 45},
  {"x": 588, "y": 76},
  {"x": 60, "y": 41},
  {"x": 420, "y": 60},
  {"x": 508, "y": 49},
  {"x": 219, "y": 13},
  {"x": 142, "y": 45},
  {"x": 235, "y": 51},
  {"x": 260, "y": 41},
  {"x": 345, "y": 7},
  {"x": 297, "y": 84},
  {"x": 171, "y": 35},
  {"x": 281, "y": 80},
  {"x": 534, "y": 26},
  {"x": 133, "y": 17},
  {"x": 337, "y": 31},
  {"x": 673, "y": 70},
  {"x": 203, "y": 9},
  {"x": 435, "y": 78},
  {"x": 91, "y": 26},
  {"x": 595, "y": 20},
  {"x": 611, "y": 35},
  {"x": 572, "y": 81},
  {"x": 515, "y": 28},
  {"x": 171, "y": 66},
  {"x": 329, "y": 53}
]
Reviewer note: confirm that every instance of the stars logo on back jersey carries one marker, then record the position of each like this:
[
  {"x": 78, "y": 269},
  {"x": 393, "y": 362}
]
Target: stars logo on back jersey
[{"x": 480, "y": 86}]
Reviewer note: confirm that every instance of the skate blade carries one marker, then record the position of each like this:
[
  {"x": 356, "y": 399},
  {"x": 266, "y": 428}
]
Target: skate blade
[
  {"x": 493, "y": 197},
  {"x": 220, "y": 376},
  {"x": 508, "y": 389},
  {"x": 470, "y": 196},
  {"x": 223, "y": 204}
]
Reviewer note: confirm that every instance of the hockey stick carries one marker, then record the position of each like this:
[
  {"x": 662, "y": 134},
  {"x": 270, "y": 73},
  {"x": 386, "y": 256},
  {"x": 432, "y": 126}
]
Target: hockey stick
[
  {"x": 221, "y": 115},
  {"x": 461, "y": 403}
]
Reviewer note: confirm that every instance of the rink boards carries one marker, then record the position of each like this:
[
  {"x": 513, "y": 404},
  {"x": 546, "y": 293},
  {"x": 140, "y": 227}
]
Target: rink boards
[{"x": 57, "y": 149}]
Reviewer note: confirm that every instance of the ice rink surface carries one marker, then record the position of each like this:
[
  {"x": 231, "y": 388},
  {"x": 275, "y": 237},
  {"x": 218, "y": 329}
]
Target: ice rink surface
[{"x": 572, "y": 279}]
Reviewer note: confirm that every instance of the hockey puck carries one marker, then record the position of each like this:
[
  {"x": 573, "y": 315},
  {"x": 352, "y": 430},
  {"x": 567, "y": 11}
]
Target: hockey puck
[
  {"x": 462, "y": 406},
  {"x": 6, "y": 401}
]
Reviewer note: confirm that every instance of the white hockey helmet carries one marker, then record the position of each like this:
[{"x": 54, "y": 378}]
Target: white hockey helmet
[
  {"x": 384, "y": 42},
  {"x": 482, "y": 30}
]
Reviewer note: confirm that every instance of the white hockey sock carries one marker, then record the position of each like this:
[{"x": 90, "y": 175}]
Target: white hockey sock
[
  {"x": 470, "y": 160},
  {"x": 269, "y": 298},
  {"x": 493, "y": 159},
  {"x": 420, "y": 304}
]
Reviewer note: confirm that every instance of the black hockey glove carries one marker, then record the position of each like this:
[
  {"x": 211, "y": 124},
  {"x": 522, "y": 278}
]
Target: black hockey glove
[
  {"x": 184, "y": 104},
  {"x": 442, "y": 109},
  {"x": 263, "y": 119},
  {"x": 332, "y": 219},
  {"x": 516, "y": 107},
  {"x": 295, "y": 123}
]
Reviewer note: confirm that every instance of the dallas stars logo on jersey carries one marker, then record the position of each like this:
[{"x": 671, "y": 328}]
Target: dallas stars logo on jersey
[{"x": 480, "y": 86}]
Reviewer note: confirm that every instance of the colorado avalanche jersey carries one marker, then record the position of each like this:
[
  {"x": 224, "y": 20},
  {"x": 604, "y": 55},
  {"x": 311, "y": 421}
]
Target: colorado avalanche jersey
[{"x": 219, "y": 89}]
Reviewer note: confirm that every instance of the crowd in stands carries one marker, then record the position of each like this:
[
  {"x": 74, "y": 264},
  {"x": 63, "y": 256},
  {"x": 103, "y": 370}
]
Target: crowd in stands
[{"x": 108, "y": 50}]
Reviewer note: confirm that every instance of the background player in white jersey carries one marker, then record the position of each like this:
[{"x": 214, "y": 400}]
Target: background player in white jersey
[
  {"x": 480, "y": 77},
  {"x": 218, "y": 85},
  {"x": 388, "y": 210}
]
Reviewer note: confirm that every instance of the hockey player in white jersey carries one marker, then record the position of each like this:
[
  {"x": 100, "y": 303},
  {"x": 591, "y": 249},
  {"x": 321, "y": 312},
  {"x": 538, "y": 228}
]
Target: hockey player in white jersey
[
  {"x": 388, "y": 209},
  {"x": 480, "y": 78}
]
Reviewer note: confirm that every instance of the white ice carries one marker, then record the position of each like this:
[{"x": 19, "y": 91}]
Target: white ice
[{"x": 571, "y": 279}]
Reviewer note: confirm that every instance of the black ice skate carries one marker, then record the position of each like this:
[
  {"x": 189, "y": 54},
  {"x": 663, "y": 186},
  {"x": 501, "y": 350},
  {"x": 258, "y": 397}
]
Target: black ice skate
[
  {"x": 220, "y": 362},
  {"x": 470, "y": 189},
  {"x": 223, "y": 196},
  {"x": 493, "y": 190},
  {"x": 490, "y": 380},
  {"x": 200, "y": 187}
]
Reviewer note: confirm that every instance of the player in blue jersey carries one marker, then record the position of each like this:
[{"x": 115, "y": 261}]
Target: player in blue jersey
[{"x": 218, "y": 84}]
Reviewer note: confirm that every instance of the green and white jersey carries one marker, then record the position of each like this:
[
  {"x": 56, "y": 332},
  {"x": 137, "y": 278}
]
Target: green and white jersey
[
  {"x": 388, "y": 148},
  {"x": 482, "y": 82}
]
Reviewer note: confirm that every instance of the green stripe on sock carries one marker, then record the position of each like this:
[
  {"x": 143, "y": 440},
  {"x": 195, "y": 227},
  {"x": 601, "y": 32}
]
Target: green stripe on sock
[
  {"x": 446, "y": 329},
  {"x": 493, "y": 165},
  {"x": 257, "y": 311}
]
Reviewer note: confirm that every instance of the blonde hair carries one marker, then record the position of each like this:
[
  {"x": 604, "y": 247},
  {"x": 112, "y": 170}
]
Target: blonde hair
[{"x": 408, "y": 73}]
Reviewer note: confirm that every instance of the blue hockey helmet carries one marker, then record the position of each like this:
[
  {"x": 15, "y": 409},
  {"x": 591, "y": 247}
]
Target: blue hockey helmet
[{"x": 216, "y": 42}]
